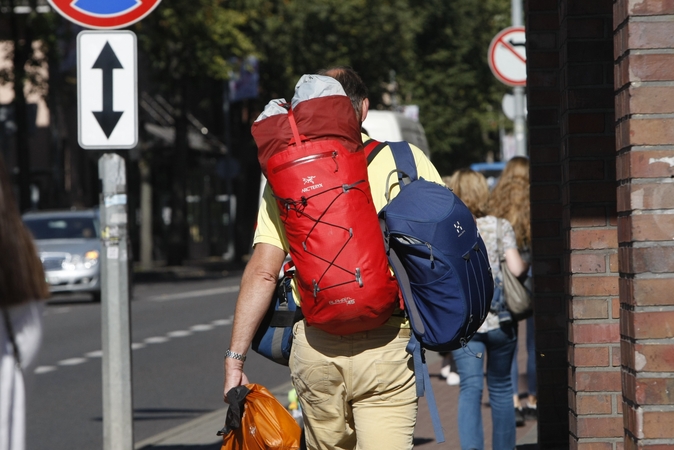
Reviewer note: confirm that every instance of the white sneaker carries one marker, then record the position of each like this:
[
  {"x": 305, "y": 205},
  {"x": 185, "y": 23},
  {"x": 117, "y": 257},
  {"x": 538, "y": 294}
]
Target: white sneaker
[
  {"x": 453, "y": 379},
  {"x": 444, "y": 372}
]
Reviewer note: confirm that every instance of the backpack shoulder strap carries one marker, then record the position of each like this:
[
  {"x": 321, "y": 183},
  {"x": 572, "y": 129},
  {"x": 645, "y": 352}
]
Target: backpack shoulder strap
[
  {"x": 372, "y": 149},
  {"x": 404, "y": 158},
  {"x": 423, "y": 381}
]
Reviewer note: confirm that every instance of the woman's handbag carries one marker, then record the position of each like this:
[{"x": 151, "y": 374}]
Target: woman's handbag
[
  {"x": 517, "y": 296},
  {"x": 257, "y": 421}
]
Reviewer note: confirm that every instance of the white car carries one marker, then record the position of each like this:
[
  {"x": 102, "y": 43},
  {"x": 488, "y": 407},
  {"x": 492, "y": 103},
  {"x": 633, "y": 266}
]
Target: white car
[{"x": 69, "y": 246}]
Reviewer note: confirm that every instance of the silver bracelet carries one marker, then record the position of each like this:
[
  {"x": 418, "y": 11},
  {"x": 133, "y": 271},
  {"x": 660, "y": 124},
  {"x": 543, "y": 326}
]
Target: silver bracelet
[{"x": 231, "y": 354}]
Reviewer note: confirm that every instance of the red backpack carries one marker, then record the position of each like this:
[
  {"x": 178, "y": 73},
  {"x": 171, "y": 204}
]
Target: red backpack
[{"x": 312, "y": 155}]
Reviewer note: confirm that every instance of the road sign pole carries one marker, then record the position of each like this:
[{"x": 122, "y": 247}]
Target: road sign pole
[
  {"x": 520, "y": 122},
  {"x": 516, "y": 11},
  {"x": 115, "y": 314},
  {"x": 518, "y": 92}
]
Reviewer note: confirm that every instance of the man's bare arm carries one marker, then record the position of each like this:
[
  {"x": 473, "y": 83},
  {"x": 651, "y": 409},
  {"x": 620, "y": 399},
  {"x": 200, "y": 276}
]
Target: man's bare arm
[{"x": 257, "y": 288}]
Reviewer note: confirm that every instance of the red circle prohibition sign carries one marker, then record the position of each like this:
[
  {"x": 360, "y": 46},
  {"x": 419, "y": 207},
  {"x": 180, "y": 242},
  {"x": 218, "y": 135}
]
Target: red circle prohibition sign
[
  {"x": 104, "y": 14},
  {"x": 506, "y": 61}
]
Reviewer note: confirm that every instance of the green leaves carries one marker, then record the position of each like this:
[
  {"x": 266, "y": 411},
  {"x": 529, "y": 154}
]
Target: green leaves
[
  {"x": 459, "y": 97},
  {"x": 437, "y": 48},
  {"x": 191, "y": 38}
]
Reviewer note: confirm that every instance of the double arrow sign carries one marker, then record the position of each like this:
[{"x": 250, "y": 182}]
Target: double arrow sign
[
  {"x": 107, "y": 61},
  {"x": 107, "y": 90}
]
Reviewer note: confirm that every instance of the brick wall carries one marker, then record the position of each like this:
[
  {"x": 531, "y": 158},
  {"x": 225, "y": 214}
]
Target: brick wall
[
  {"x": 644, "y": 84},
  {"x": 587, "y": 150},
  {"x": 544, "y": 99}
]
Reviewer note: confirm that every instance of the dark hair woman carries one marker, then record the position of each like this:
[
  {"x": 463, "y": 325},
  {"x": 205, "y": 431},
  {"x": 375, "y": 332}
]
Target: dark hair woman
[{"x": 22, "y": 286}]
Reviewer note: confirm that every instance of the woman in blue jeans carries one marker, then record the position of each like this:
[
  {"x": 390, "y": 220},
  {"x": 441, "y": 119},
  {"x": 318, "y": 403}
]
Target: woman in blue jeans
[
  {"x": 496, "y": 338},
  {"x": 510, "y": 200}
]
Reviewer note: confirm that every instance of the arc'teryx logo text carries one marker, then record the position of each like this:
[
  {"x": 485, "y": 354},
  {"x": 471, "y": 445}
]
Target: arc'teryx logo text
[{"x": 310, "y": 181}]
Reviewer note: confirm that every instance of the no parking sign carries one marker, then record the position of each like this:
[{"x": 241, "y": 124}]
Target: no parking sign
[
  {"x": 508, "y": 56},
  {"x": 104, "y": 14}
]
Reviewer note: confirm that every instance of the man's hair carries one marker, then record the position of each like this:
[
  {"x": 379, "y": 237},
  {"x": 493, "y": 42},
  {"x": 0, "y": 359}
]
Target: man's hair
[{"x": 353, "y": 85}]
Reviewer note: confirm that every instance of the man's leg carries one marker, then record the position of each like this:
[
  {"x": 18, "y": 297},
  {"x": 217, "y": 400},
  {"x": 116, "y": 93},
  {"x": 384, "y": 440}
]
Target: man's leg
[
  {"x": 319, "y": 382},
  {"x": 384, "y": 398}
]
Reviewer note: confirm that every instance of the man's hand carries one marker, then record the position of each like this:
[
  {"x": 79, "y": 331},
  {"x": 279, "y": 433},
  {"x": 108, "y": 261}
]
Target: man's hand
[
  {"x": 257, "y": 289},
  {"x": 234, "y": 376}
]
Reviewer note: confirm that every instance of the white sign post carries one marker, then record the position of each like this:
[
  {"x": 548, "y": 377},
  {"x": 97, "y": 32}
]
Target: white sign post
[
  {"x": 107, "y": 112},
  {"x": 107, "y": 97}
]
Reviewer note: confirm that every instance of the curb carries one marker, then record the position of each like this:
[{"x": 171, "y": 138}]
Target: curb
[{"x": 201, "y": 431}]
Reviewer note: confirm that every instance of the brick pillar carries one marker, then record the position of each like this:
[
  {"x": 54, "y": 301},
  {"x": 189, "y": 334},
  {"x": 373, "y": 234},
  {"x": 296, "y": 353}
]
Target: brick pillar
[
  {"x": 644, "y": 84},
  {"x": 587, "y": 120},
  {"x": 543, "y": 100}
]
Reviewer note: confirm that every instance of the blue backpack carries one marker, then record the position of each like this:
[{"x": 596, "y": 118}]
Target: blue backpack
[{"x": 440, "y": 262}]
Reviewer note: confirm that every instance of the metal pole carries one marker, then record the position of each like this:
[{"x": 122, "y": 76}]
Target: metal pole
[
  {"x": 116, "y": 323},
  {"x": 145, "y": 215},
  {"x": 518, "y": 92}
]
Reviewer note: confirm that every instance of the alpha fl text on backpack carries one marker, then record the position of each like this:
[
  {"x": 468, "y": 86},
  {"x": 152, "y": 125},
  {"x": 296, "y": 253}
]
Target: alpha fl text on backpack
[{"x": 311, "y": 153}]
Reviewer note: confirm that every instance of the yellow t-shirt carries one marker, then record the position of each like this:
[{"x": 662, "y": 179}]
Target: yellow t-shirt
[{"x": 270, "y": 227}]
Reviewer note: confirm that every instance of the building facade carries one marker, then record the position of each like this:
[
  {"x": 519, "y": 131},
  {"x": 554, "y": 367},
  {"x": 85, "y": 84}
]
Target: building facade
[{"x": 601, "y": 123}]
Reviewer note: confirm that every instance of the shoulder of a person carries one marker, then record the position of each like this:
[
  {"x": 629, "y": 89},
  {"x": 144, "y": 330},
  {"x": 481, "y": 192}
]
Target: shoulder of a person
[
  {"x": 424, "y": 165},
  {"x": 505, "y": 223}
]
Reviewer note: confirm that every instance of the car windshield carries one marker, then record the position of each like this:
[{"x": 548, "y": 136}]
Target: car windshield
[{"x": 62, "y": 228}]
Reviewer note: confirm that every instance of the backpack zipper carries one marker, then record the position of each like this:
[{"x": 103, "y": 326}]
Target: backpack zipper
[
  {"x": 430, "y": 249},
  {"x": 304, "y": 160},
  {"x": 415, "y": 241}
]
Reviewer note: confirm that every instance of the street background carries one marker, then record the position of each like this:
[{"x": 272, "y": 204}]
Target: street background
[{"x": 181, "y": 321}]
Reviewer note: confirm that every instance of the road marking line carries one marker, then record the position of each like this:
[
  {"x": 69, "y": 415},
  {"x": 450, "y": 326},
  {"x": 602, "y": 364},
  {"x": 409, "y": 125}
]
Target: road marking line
[
  {"x": 193, "y": 294},
  {"x": 71, "y": 361},
  {"x": 179, "y": 333},
  {"x": 220, "y": 322},
  {"x": 59, "y": 310},
  {"x": 137, "y": 345}
]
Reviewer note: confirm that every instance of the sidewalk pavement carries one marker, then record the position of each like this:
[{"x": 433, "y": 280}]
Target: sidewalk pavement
[
  {"x": 201, "y": 269},
  {"x": 199, "y": 434}
]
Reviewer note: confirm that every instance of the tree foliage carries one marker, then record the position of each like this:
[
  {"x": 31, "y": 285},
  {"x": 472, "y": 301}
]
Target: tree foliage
[
  {"x": 437, "y": 48},
  {"x": 302, "y": 36},
  {"x": 186, "y": 39},
  {"x": 458, "y": 95}
]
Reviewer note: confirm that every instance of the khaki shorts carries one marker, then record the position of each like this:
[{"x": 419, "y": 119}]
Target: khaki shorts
[{"x": 356, "y": 391}]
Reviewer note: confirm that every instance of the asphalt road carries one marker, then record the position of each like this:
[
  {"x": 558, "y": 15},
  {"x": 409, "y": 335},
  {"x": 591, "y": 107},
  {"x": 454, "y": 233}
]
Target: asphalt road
[{"x": 180, "y": 331}]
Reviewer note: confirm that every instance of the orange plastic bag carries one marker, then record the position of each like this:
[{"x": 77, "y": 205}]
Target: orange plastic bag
[{"x": 257, "y": 421}]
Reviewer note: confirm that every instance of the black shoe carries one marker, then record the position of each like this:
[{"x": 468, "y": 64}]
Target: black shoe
[
  {"x": 519, "y": 417},
  {"x": 530, "y": 413}
]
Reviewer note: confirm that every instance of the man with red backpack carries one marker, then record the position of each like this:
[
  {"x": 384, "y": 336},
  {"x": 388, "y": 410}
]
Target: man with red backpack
[{"x": 357, "y": 389}]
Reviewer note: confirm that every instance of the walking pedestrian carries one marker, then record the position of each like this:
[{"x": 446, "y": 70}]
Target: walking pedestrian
[
  {"x": 357, "y": 390},
  {"x": 510, "y": 200},
  {"x": 497, "y": 337},
  {"x": 22, "y": 286}
]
